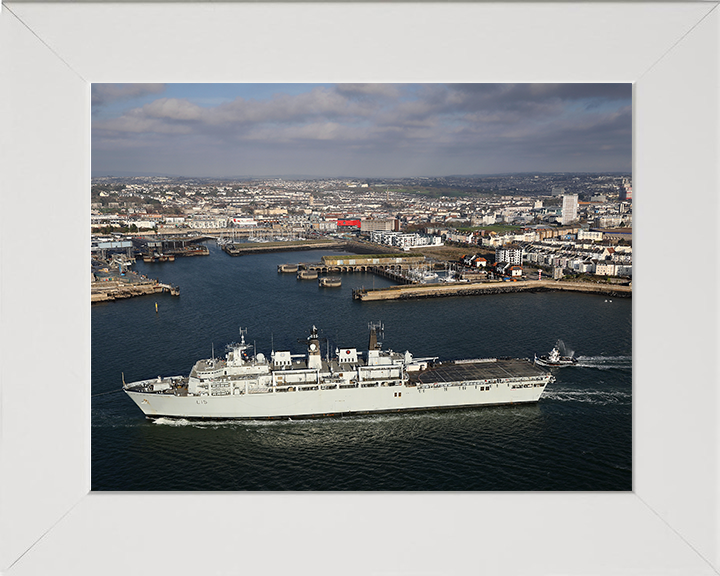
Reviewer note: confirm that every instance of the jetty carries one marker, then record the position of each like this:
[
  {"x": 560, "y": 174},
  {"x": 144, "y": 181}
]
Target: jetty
[
  {"x": 238, "y": 249},
  {"x": 490, "y": 287}
]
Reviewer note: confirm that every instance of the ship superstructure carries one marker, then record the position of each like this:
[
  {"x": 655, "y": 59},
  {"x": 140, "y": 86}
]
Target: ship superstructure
[{"x": 249, "y": 385}]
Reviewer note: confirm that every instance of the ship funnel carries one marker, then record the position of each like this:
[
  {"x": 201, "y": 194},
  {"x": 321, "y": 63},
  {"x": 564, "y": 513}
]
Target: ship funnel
[{"x": 314, "y": 360}]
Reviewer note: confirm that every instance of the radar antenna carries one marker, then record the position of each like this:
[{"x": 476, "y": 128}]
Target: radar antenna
[
  {"x": 377, "y": 326},
  {"x": 313, "y": 336}
]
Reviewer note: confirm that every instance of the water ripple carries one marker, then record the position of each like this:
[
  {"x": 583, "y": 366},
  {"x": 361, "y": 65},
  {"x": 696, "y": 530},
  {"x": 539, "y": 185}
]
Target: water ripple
[{"x": 578, "y": 437}]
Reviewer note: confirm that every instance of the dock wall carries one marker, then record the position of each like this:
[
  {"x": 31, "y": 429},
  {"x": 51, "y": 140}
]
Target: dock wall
[
  {"x": 480, "y": 288},
  {"x": 347, "y": 245},
  {"x": 260, "y": 247}
]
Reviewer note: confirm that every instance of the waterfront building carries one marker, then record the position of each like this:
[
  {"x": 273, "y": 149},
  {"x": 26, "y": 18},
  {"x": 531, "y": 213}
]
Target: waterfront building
[
  {"x": 388, "y": 225},
  {"x": 512, "y": 254},
  {"x": 581, "y": 265},
  {"x": 624, "y": 270},
  {"x": 606, "y": 269},
  {"x": 404, "y": 241}
]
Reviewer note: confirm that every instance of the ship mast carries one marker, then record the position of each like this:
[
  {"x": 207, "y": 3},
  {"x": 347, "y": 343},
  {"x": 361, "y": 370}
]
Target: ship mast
[{"x": 375, "y": 327}]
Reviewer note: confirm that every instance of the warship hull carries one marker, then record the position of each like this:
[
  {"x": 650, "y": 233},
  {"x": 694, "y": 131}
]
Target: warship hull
[{"x": 328, "y": 402}]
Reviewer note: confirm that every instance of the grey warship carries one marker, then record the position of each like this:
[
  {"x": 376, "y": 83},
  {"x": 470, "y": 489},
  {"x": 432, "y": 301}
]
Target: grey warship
[{"x": 252, "y": 386}]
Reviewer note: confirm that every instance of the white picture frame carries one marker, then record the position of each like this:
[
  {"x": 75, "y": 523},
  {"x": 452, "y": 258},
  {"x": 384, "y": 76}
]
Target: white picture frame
[{"x": 50, "y": 53}]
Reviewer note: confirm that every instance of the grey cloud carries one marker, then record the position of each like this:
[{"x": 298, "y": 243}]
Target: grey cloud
[
  {"x": 170, "y": 109},
  {"x": 546, "y": 90},
  {"x": 318, "y": 105},
  {"x": 407, "y": 128},
  {"x": 526, "y": 99},
  {"x": 102, "y": 94},
  {"x": 369, "y": 90}
]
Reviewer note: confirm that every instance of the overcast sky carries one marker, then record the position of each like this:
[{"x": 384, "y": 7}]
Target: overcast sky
[{"x": 359, "y": 130}]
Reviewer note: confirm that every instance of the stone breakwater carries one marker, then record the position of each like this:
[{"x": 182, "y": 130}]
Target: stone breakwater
[{"x": 480, "y": 288}]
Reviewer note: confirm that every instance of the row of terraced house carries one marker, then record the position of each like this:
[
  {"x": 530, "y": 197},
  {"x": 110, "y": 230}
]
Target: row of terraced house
[{"x": 581, "y": 258}]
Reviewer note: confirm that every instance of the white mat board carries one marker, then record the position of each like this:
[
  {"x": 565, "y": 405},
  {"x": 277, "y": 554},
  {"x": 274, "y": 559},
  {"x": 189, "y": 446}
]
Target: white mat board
[{"x": 49, "y": 55}]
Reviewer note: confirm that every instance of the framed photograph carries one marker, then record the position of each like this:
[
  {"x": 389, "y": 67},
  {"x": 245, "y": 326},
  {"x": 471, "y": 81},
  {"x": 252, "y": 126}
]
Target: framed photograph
[
  {"x": 51, "y": 53},
  {"x": 396, "y": 196}
]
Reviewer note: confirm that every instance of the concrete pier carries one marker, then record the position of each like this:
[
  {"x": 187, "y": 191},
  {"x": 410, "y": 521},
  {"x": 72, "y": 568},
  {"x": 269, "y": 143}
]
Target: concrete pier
[
  {"x": 493, "y": 287},
  {"x": 259, "y": 247},
  {"x": 115, "y": 290}
]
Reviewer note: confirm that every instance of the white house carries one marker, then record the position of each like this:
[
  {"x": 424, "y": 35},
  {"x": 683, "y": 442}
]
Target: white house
[
  {"x": 207, "y": 222},
  {"x": 511, "y": 254},
  {"x": 605, "y": 269},
  {"x": 142, "y": 224},
  {"x": 590, "y": 235},
  {"x": 624, "y": 270},
  {"x": 242, "y": 222}
]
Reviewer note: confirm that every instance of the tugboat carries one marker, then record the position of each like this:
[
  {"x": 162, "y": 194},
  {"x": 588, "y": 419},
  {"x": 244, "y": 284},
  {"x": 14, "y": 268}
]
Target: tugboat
[{"x": 555, "y": 360}]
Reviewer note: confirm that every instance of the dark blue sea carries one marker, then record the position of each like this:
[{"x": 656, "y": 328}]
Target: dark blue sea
[{"x": 577, "y": 437}]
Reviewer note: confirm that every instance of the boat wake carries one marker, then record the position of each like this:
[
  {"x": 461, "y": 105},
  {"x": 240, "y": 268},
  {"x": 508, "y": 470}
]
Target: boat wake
[
  {"x": 599, "y": 397},
  {"x": 605, "y": 362},
  {"x": 214, "y": 424},
  {"x": 183, "y": 422}
]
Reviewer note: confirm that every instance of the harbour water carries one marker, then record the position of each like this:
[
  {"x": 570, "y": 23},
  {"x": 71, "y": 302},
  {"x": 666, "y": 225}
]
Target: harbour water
[{"x": 578, "y": 437}]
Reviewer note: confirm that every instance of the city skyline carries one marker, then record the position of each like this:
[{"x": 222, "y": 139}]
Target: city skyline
[{"x": 359, "y": 130}]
